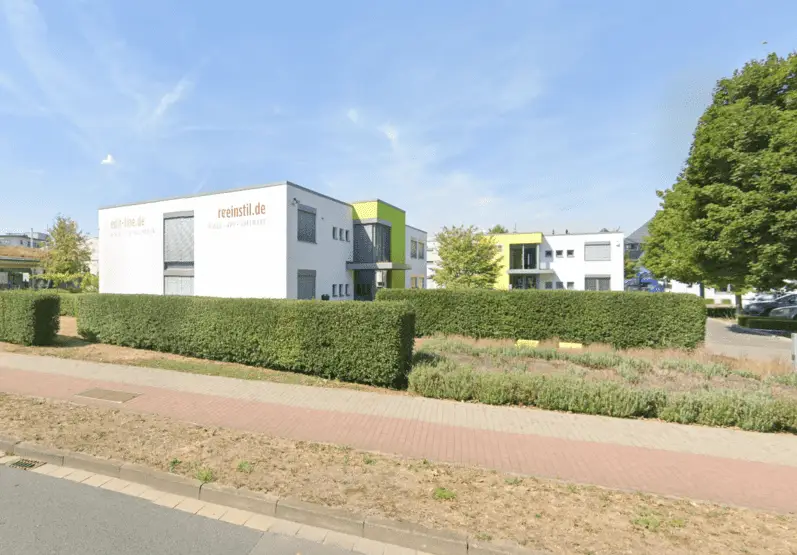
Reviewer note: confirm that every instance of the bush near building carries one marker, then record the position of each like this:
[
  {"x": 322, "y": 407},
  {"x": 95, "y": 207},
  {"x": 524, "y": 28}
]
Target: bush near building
[
  {"x": 368, "y": 343},
  {"x": 721, "y": 311},
  {"x": 621, "y": 319},
  {"x": 779, "y": 324},
  {"x": 29, "y": 318}
]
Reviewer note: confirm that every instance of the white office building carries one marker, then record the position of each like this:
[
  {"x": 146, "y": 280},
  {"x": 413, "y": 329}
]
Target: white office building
[{"x": 269, "y": 241}]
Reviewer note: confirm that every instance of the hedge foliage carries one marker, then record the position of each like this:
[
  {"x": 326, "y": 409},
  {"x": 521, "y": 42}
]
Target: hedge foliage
[
  {"x": 721, "y": 311},
  {"x": 350, "y": 341},
  {"x": 780, "y": 324},
  {"x": 69, "y": 301},
  {"x": 442, "y": 379},
  {"x": 29, "y": 318},
  {"x": 621, "y": 319}
]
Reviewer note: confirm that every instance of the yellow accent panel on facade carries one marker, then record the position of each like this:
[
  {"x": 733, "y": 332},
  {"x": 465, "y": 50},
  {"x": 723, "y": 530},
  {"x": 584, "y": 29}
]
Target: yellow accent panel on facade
[
  {"x": 365, "y": 210},
  {"x": 504, "y": 240}
]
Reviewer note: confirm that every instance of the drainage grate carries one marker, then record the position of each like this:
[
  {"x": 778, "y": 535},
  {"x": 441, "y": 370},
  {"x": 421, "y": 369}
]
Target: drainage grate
[
  {"x": 26, "y": 464},
  {"x": 108, "y": 395}
]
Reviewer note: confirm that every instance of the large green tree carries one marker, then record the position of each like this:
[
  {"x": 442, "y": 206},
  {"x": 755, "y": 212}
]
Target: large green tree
[
  {"x": 468, "y": 259},
  {"x": 731, "y": 216},
  {"x": 67, "y": 252}
]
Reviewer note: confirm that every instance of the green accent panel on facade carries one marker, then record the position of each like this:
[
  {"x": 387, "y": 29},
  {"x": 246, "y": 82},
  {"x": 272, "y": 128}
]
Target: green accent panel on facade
[{"x": 398, "y": 239}]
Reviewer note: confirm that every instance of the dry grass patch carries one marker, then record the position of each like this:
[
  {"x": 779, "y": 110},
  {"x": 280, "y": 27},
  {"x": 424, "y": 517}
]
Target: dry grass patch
[{"x": 543, "y": 514}]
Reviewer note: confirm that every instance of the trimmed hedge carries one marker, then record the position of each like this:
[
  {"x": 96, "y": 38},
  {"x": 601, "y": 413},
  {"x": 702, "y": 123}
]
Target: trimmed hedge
[
  {"x": 368, "y": 343},
  {"x": 69, "y": 301},
  {"x": 752, "y": 411},
  {"x": 721, "y": 311},
  {"x": 621, "y": 319},
  {"x": 29, "y": 318},
  {"x": 780, "y": 324}
]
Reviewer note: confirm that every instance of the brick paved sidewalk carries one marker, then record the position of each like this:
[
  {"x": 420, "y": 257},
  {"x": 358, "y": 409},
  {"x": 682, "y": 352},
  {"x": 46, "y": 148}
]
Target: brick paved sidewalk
[{"x": 726, "y": 466}]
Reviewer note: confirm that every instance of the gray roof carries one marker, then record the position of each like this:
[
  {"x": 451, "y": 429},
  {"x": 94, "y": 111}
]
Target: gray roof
[{"x": 639, "y": 235}]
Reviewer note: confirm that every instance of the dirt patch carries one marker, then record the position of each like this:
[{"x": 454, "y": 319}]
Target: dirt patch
[{"x": 542, "y": 514}]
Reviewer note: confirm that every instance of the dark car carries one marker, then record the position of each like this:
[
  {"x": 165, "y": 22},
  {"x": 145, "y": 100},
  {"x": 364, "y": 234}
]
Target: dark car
[{"x": 763, "y": 308}]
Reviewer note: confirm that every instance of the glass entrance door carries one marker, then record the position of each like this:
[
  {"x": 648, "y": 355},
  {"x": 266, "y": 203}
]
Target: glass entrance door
[{"x": 523, "y": 282}]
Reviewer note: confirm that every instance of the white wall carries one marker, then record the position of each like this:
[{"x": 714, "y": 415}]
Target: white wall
[
  {"x": 710, "y": 293},
  {"x": 327, "y": 256},
  {"x": 94, "y": 263},
  {"x": 576, "y": 269},
  {"x": 233, "y": 257},
  {"x": 432, "y": 263},
  {"x": 418, "y": 265}
]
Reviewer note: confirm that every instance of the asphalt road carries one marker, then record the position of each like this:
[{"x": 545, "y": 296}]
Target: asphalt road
[
  {"x": 722, "y": 339},
  {"x": 41, "y": 515}
]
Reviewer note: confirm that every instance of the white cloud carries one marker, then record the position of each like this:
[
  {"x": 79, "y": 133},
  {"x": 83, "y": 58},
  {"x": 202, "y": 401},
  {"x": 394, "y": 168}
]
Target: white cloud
[
  {"x": 353, "y": 115},
  {"x": 171, "y": 98},
  {"x": 391, "y": 133},
  {"x": 108, "y": 161}
]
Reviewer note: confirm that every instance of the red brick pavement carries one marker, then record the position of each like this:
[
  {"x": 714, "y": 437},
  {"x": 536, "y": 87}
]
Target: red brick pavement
[{"x": 729, "y": 481}]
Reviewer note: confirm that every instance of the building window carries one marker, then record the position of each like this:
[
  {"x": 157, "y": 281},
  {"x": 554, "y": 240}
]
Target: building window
[
  {"x": 371, "y": 243},
  {"x": 348, "y": 237},
  {"x": 340, "y": 290},
  {"x": 595, "y": 252},
  {"x": 305, "y": 284},
  {"x": 548, "y": 254},
  {"x": 421, "y": 252},
  {"x": 306, "y": 224},
  {"x": 347, "y": 290},
  {"x": 340, "y": 235},
  {"x": 560, "y": 285},
  {"x": 549, "y": 285},
  {"x": 571, "y": 285},
  {"x": 597, "y": 284},
  {"x": 522, "y": 257},
  {"x": 334, "y": 232},
  {"x": 558, "y": 254},
  {"x": 334, "y": 290},
  {"x": 178, "y": 253},
  {"x": 571, "y": 253},
  {"x": 413, "y": 249},
  {"x": 421, "y": 283}
]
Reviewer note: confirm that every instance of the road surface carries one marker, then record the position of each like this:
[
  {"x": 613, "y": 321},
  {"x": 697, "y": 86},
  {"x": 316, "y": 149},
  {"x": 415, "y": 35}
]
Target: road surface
[
  {"x": 722, "y": 339},
  {"x": 42, "y": 515}
]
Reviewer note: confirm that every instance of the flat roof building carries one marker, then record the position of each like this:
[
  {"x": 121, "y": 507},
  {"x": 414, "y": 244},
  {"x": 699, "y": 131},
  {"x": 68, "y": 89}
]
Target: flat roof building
[{"x": 268, "y": 241}]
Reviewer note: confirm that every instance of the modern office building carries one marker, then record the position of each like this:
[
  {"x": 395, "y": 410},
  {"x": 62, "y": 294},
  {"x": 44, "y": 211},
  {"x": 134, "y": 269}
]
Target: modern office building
[
  {"x": 30, "y": 239},
  {"x": 578, "y": 261},
  {"x": 269, "y": 241}
]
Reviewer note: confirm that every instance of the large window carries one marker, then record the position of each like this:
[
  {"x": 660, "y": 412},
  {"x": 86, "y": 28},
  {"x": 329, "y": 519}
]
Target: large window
[
  {"x": 594, "y": 252},
  {"x": 305, "y": 284},
  {"x": 371, "y": 243},
  {"x": 178, "y": 253},
  {"x": 413, "y": 248},
  {"x": 306, "y": 224},
  {"x": 597, "y": 284},
  {"x": 522, "y": 257}
]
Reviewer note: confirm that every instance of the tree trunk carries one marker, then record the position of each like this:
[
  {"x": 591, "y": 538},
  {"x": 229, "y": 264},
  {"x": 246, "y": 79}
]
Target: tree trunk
[
  {"x": 702, "y": 291},
  {"x": 738, "y": 304}
]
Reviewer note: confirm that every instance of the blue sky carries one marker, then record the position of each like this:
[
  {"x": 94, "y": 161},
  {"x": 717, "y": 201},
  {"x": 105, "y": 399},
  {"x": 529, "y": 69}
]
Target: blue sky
[{"x": 538, "y": 115}]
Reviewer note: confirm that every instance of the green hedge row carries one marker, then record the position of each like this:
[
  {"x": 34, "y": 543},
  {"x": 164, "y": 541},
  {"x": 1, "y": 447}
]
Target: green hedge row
[
  {"x": 721, "y": 311},
  {"x": 29, "y": 318},
  {"x": 779, "y": 324},
  {"x": 355, "y": 342},
  {"x": 757, "y": 412},
  {"x": 621, "y": 319}
]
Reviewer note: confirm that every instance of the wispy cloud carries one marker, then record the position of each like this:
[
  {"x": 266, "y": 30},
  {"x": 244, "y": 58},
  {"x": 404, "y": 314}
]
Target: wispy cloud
[
  {"x": 353, "y": 115},
  {"x": 171, "y": 98},
  {"x": 109, "y": 160}
]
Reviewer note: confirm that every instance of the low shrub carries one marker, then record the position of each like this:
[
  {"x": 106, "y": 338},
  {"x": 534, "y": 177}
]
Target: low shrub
[
  {"x": 69, "y": 301},
  {"x": 721, "y": 312},
  {"x": 779, "y": 324},
  {"x": 29, "y": 317},
  {"x": 621, "y": 319},
  {"x": 442, "y": 379},
  {"x": 356, "y": 342}
]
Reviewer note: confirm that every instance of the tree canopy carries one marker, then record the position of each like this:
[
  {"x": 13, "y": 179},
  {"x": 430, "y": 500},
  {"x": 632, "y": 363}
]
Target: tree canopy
[
  {"x": 498, "y": 228},
  {"x": 468, "y": 259},
  {"x": 67, "y": 251},
  {"x": 731, "y": 216}
]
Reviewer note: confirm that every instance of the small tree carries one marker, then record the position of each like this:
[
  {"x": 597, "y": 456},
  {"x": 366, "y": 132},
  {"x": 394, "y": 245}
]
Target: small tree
[
  {"x": 496, "y": 229},
  {"x": 67, "y": 253},
  {"x": 468, "y": 259},
  {"x": 630, "y": 267}
]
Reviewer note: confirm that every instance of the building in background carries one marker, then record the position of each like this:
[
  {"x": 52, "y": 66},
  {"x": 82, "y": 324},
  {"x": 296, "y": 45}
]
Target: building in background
[
  {"x": 269, "y": 241},
  {"x": 30, "y": 239},
  {"x": 432, "y": 264},
  {"x": 94, "y": 262},
  {"x": 576, "y": 261}
]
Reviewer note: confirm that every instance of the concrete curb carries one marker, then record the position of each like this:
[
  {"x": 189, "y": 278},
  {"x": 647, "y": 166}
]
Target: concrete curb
[{"x": 402, "y": 534}]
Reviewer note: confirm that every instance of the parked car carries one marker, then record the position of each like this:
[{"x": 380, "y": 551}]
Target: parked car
[
  {"x": 763, "y": 308},
  {"x": 787, "y": 312}
]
